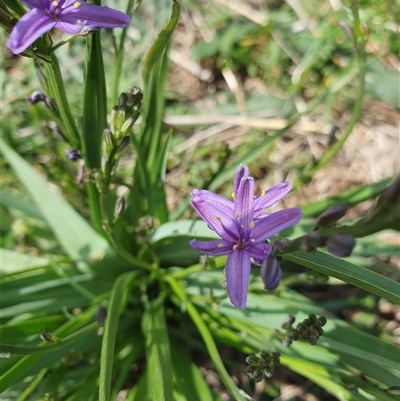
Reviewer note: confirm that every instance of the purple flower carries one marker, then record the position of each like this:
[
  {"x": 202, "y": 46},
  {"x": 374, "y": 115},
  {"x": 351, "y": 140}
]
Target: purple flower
[
  {"x": 243, "y": 226},
  {"x": 67, "y": 15}
]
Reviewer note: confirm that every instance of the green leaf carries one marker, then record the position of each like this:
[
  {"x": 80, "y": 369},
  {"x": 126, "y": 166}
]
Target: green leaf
[
  {"x": 14, "y": 262},
  {"x": 189, "y": 382},
  {"x": 349, "y": 273},
  {"x": 349, "y": 197},
  {"x": 15, "y": 202},
  {"x": 158, "y": 354},
  {"x": 117, "y": 305},
  {"x": 238, "y": 394},
  {"x": 150, "y": 144},
  {"x": 78, "y": 239}
]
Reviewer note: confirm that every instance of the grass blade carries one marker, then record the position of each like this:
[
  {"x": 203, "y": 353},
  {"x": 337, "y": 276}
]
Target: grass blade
[{"x": 349, "y": 273}]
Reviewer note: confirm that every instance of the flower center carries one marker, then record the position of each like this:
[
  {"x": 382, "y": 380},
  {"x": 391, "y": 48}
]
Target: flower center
[{"x": 56, "y": 6}]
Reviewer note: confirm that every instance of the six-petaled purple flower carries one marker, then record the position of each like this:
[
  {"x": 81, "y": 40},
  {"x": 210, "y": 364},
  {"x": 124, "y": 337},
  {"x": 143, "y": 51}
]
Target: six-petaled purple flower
[
  {"x": 67, "y": 15},
  {"x": 244, "y": 226}
]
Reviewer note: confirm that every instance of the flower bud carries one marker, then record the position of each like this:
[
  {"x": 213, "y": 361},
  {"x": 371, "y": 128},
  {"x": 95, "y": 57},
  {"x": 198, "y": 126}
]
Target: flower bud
[
  {"x": 271, "y": 273},
  {"x": 120, "y": 206},
  {"x": 49, "y": 337},
  {"x": 312, "y": 241},
  {"x": 122, "y": 146},
  {"x": 391, "y": 195},
  {"x": 288, "y": 322},
  {"x": 128, "y": 124},
  {"x": 108, "y": 140},
  {"x": 36, "y": 97},
  {"x": 73, "y": 154},
  {"x": 340, "y": 245},
  {"x": 282, "y": 245},
  {"x": 331, "y": 215}
]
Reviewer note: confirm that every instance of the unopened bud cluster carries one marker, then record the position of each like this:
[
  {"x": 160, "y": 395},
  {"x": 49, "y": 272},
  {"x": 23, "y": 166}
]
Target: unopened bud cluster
[
  {"x": 308, "y": 330},
  {"x": 262, "y": 364},
  {"x": 123, "y": 116}
]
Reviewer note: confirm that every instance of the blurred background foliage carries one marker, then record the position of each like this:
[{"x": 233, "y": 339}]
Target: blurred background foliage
[{"x": 238, "y": 73}]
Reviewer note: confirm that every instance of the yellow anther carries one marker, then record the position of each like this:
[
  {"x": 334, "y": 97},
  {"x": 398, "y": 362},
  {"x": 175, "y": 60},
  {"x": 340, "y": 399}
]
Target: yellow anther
[
  {"x": 237, "y": 215},
  {"x": 77, "y": 4},
  {"x": 252, "y": 224},
  {"x": 263, "y": 192},
  {"x": 233, "y": 195},
  {"x": 54, "y": 3},
  {"x": 218, "y": 218},
  {"x": 235, "y": 247},
  {"x": 220, "y": 245}
]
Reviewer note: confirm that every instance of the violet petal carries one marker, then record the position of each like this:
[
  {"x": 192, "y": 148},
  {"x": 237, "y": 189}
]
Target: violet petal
[
  {"x": 95, "y": 16},
  {"x": 214, "y": 247},
  {"x": 217, "y": 212},
  {"x": 243, "y": 209},
  {"x": 41, "y": 4},
  {"x": 28, "y": 29},
  {"x": 237, "y": 277},
  {"x": 260, "y": 251},
  {"x": 71, "y": 29},
  {"x": 274, "y": 223},
  {"x": 270, "y": 197},
  {"x": 242, "y": 172}
]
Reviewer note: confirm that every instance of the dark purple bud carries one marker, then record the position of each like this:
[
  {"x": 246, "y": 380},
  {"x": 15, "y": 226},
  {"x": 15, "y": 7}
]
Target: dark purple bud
[
  {"x": 331, "y": 215},
  {"x": 271, "y": 273},
  {"x": 36, "y": 97},
  {"x": 391, "y": 194},
  {"x": 101, "y": 315},
  {"x": 282, "y": 245},
  {"x": 73, "y": 154},
  {"x": 311, "y": 241},
  {"x": 288, "y": 322},
  {"x": 340, "y": 245}
]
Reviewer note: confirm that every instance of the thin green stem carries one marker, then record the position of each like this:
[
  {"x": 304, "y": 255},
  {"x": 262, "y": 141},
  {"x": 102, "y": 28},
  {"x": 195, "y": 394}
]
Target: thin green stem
[
  {"x": 76, "y": 286},
  {"x": 64, "y": 42},
  {"x": 55, "y": 86},
  {"x": 120, "y": 58},
  {"x": 32, "y": 385},
  {"x": 45, "y": 346}
]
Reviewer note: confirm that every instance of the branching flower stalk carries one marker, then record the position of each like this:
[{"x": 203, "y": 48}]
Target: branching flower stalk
[{"x": 116, "y": 140}]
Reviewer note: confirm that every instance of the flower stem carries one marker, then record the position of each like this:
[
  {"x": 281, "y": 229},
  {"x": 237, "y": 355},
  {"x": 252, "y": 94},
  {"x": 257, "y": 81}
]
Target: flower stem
[{"x": 55, "y": 88}]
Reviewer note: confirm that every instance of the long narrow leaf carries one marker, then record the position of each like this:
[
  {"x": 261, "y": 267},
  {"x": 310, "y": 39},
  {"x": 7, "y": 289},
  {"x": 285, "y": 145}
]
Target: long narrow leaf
[
  {"x": 79, "y": 240},
  {"x": 348, "y": 272},
  {"x": 158, "y": 354},
  {"x": 117, "y": 302}
]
